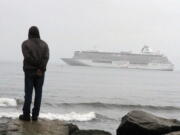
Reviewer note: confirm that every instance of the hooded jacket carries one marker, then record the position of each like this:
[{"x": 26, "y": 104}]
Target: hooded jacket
[{"x": 35, "y": 51}]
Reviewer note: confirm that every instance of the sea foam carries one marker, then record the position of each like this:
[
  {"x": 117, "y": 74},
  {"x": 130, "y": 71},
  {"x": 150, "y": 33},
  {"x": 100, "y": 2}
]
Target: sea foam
[
  {"x": 5, "y": 102},
  {"x": 73, "y": 116}
]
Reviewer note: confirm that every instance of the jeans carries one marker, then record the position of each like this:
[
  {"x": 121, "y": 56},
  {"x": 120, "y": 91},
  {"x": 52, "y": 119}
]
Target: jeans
[{"x": 36, "y": 82}]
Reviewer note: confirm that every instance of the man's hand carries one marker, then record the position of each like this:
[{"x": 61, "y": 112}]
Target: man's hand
[{"x": 39, "y": 72}]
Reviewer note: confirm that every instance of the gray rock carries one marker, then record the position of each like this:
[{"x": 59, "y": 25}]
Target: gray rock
[
  {"x": 91, "y": 132},
  {"x": 142, "y": 123},
  {"x": 72, "y": 128},
  {"x": 174, "y": 133},
  {"x": 43, "y": 127}
]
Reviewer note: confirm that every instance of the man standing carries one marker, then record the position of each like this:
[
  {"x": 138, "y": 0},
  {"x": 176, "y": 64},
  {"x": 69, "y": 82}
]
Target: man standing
[{"x": 36, "y": 56}]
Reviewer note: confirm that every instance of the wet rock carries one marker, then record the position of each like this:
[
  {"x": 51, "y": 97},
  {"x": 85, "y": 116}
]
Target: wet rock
[
  {"x": 143, "y": 123},
  {"x": 72, "y": 128},
  {"x": 91, "y": 132},
  {"x": 174, "y": 133},
  {"x": 43, "y": 127}
]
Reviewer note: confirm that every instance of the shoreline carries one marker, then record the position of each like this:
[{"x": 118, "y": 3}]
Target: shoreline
[{"x": 43, "y": 127}]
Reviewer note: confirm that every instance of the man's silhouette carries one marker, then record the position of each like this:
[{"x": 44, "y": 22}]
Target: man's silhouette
[{"x": 36, "y": 56}]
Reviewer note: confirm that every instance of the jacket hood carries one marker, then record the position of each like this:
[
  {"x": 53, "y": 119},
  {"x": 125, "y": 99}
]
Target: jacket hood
[{"x": 34, "y": 32}]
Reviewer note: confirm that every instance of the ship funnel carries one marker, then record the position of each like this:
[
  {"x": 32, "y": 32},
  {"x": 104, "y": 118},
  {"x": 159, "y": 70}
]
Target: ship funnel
[{"x": 146, "y": 49}]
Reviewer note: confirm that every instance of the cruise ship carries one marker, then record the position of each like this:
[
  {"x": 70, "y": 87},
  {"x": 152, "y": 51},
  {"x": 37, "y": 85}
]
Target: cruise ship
[{"x": 146, "y": 59}]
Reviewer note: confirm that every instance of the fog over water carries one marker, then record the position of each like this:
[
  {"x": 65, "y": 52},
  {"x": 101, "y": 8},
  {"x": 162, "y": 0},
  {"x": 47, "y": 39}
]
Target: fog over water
[{"x": 105, "y": 25}]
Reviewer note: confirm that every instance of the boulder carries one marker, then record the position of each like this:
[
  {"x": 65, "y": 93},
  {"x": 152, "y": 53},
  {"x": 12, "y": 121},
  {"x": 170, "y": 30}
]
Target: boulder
[
  {"x": 174, "y": 133},
  {"x": 72, "y": 128},
  {"x": 91, "y": 132},
  {"x": 143, "y": 123}
]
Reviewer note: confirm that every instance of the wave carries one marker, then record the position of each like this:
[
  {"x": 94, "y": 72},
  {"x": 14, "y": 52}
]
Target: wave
[
  {"x": 10, "y": 102},
  {"x": 119, "y": 106},
  {"x": 73, "y": 116},
  {"x": 5, "y": 102}
]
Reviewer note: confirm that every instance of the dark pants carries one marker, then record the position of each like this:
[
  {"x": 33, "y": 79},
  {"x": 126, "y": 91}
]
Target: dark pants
[{"x": 36, "y": 82}]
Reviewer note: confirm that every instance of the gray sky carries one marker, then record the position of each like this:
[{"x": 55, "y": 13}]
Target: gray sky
[{"x": 104, "y": 25}]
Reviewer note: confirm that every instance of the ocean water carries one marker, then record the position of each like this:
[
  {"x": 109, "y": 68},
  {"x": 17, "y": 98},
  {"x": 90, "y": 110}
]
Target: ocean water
[{"x": 93, "y": 98}]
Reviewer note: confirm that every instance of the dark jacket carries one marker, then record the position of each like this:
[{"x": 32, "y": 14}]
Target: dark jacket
[{"x": 36, "y": 54}]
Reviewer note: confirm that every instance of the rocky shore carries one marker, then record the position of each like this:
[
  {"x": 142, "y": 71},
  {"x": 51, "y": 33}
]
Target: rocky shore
[
  {"x": 43, "y": 127},
  {"x": 133, "y": 123}
]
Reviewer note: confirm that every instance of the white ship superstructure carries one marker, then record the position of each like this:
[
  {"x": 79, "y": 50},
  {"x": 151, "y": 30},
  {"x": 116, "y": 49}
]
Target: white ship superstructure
[{"x": 147, "y": 59}]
